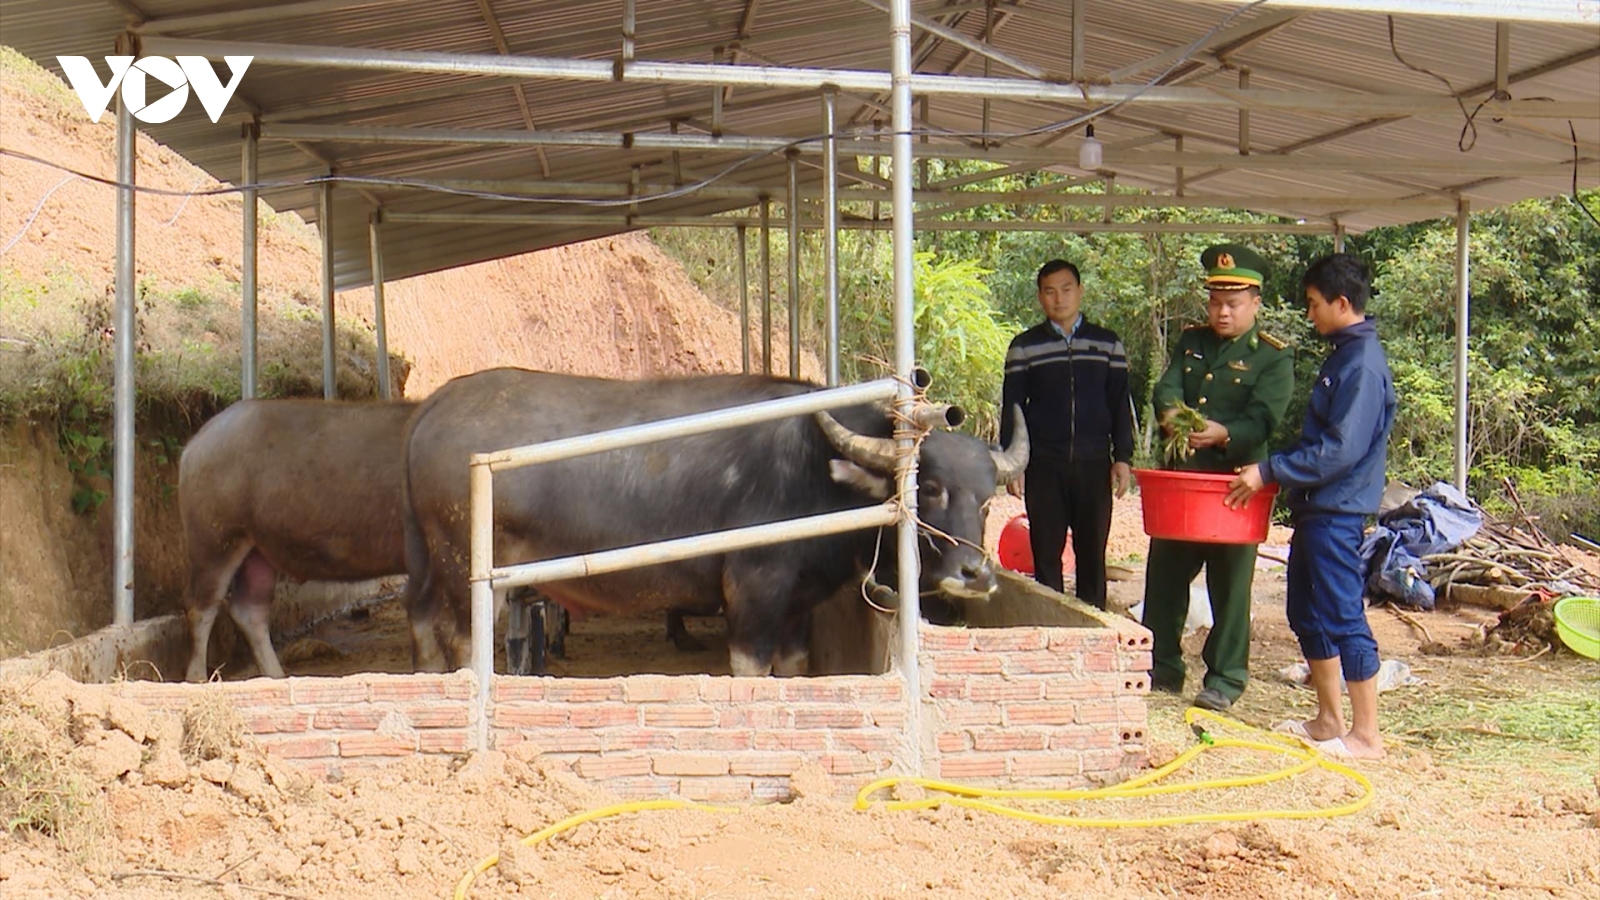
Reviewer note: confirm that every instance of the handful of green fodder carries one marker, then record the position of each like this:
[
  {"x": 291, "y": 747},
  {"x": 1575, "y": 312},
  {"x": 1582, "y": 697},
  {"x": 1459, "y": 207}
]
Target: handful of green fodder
[{"x": 1185, "y": 421}]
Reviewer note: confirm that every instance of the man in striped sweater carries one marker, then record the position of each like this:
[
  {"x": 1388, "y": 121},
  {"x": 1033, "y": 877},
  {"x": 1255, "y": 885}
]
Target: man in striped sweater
[{"x": 1070, "y": 377}]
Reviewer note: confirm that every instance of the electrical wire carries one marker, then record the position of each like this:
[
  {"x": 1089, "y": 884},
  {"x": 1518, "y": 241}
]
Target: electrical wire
[
  {"x": 1578, "y": 201},
  {"x": 1471, "y": 125}
]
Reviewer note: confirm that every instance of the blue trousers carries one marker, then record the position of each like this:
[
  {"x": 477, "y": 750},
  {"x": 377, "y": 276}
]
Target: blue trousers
[{"x": 1327, "y": 586}]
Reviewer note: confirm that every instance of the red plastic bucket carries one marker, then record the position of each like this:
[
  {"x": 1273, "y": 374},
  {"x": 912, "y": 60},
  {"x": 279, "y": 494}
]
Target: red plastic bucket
[
  {"x": 1015, "y": 549},
  {"x": 1188, "y": 506}
]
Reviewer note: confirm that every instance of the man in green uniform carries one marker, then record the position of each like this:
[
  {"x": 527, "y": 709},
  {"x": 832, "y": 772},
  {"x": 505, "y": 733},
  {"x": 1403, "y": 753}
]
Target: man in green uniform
[{"x": 1239, "y": 378}]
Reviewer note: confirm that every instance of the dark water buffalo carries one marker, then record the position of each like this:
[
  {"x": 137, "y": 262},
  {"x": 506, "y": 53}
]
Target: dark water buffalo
[
  {"x": 794, "y": 467},
  {"x": 307, "y": 488}
]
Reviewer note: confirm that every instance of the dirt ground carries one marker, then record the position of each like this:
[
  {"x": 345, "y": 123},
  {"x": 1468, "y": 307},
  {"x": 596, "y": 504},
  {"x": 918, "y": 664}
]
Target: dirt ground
[{"x": 1472, "y": 802}]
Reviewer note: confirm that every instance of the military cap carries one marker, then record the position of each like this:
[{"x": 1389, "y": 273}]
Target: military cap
[{"x": 1233, "y": 266}]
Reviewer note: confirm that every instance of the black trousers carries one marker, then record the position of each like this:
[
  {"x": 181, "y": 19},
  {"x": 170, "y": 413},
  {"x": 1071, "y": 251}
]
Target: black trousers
[{"x": 1075, "y": 496}]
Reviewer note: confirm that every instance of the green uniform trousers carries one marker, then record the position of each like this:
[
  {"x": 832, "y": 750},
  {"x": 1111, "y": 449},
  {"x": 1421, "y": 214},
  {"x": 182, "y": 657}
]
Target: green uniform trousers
[{"x": 1229, "y": 571}]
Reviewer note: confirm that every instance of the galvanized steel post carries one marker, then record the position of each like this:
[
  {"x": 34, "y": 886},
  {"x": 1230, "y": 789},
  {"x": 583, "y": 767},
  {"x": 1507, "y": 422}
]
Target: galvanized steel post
[
  {"x": 122, "y": 476},
  {"x": 330, "y": 359},
  {"x": 247, "y": 263},
  {"x": 830, "y": 229},
  {"x": 904, "y": 362},
  {"x": 481, "y": 571},
  {"x": 766, "y": 285},
  {"x": 380, "y": 332},
  {"x": 1463, "y": 232},
  {"x": 793, "y": 204},
  {"x": 744, "y": 299}
]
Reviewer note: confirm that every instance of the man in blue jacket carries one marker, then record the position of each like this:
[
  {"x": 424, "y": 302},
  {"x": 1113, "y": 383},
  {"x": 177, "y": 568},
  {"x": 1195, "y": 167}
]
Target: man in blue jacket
[
  {"x": 1070, "y": 376},
  {"x": 1335, "y": 477}
]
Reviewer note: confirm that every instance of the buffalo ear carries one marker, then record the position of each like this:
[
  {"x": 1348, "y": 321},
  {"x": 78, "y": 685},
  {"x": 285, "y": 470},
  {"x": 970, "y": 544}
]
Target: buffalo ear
[{"x": 877, "y": 486}]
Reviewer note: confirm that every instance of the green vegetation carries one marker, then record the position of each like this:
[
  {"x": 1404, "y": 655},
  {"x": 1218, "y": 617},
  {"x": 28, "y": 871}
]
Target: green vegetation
[{"x": 1534, "y": 367}]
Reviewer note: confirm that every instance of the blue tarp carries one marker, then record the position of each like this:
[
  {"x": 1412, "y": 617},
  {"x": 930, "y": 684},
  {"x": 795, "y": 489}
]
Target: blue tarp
[{"x": 1438, "y": 520}]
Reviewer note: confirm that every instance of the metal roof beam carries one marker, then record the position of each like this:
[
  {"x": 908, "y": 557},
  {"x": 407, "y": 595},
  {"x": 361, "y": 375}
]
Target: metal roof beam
[
  {"x": 625, "y": 222},
  {"x": 1220, "y": 44},
  {"x": 248, "y": 16},
  {"x": 850, "y": 79},
  {"x": 976, "y": 46},
  {"x": 1115, "y": 161},
  {"x": 486, "y": 9},
  {"x": 1565, "y": 12}
]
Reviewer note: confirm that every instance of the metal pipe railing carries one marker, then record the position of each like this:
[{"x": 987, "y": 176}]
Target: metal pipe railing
[
  {"x": 122, "y": 372},
  {"x": 486, "y": 579}
]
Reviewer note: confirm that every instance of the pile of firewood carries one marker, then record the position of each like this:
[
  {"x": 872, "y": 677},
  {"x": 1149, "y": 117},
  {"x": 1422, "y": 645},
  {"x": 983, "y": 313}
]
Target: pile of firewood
[{"x": 1503, "y": 556}]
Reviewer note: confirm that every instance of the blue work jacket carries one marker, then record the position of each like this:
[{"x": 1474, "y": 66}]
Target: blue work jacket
[{"x": 1338, "y": 464}]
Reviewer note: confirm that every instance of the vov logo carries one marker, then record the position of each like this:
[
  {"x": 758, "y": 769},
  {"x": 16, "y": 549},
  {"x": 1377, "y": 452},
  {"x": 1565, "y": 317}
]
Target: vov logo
[{"x": 133, "y": 77}]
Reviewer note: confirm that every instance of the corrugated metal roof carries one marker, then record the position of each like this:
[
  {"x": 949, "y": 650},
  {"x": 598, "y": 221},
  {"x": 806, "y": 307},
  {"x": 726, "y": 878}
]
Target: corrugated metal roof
[{"x": 1285, "y": 50}]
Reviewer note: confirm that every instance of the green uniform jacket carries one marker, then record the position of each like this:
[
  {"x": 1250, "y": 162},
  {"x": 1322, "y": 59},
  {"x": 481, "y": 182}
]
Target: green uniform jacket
[{"x": 1242, "y": 382}]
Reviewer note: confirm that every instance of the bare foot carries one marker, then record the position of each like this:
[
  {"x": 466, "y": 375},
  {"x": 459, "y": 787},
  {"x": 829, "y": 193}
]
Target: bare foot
[
  {"x": 1349, "y": 747},
  {"x": 1320, "y": 729}
]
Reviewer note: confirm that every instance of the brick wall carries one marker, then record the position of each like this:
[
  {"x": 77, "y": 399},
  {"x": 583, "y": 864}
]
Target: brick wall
[
  {"x": 1030, "y": 705},
  {"x": 1000, "y": 705},
  {"x": 707, "y": 737}
]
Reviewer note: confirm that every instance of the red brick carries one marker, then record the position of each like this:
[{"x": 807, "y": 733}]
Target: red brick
[
  {"x": 967, "y": 663},
  {"x": 959, "y": 714},
  {"x": 1078, "y": 689},
  {"x": 680, "y": 716},
  {"x": 256, "y": 692},
  {"x": 582, "y": 690},
  {"x": 659, "y": 689},
  {"x": 300, "y": 748},
  {"x": 764, "y": 763},
  {"x": 1132, "y": 711},
  {"x": 531, "y": 715},
  {"x": 376, "y": 745},
  {"x": 972, "y": 765},
  {"x": 1039, "y": 714},
  {"x": 1036, "y": 765},
  {"x": 843, "y": 763},
  {"x": 637, "y": 739},
  {"x": 713, "y": 688},
  {"x": 990, "y": 739},
  {"x": 567, "y": 741},
  {"x": 771, "y": 790},
  {"x": 715, "y": 790},
  {"x": 1006, "y": 640},
  {"x": 881, "y": 689},
  {"x": 947, "y": 688},
  {"x": 511, "y": 687},
  {"x": 759, "y": 717},
  {"x": 1083, "y": 737},
  {"x": 867, "y": 741},
  {"x": 434, "y": 716},
  {"x": 409, "y": 687},
  {"x": 1041, "y": 662},
  {"x": 829, "y": 717},
  {"x": 351, "y": 718},
  {"x": 807, "y": 690},
  {"x": 642, "y": 788},
  {"x": 1070, "y": 640},
  {"x": 1103, "y": 712},
  {"x": 278, "y": 721},
  {"x": 443, "y": 740},
  {"x": 460, "y": 687},
  {"x": 603, "y": 716},
  {"x": 810, "y": 741},
  {"x": 998, "y": 689},
  {"x": 894, "y": 719},
  {"x": 944, "y": 638},
  {"x": 951, "y": 741},
  {"x": 609, "y": 766},
  {"x": 1104, "y": 661},
  {"x": 689, "y": 764},
  {"x": 160, "y": 696},
  {"x": 1135, "y": 662},
  {"x": 749, "y": 690},
  {"x": 714, "y": 739}
]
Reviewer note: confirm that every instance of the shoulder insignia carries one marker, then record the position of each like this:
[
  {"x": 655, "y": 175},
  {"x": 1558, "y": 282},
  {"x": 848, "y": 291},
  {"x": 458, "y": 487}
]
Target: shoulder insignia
[{"x": 1277, "y": 343}]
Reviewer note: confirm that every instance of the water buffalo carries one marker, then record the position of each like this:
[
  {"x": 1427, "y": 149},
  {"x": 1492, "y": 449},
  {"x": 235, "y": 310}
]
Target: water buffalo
[
  {"x": 307, "y": 488},
  {"x": 799, "y": 466}
]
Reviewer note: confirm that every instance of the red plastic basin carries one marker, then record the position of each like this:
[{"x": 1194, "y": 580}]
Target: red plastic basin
[
  {"x": 1015, "y": 548},
  {"x": 1188, "y": 506}
]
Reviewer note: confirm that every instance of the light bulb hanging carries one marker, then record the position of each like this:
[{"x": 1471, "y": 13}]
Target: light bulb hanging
[{"x": 1091, "y": 153}]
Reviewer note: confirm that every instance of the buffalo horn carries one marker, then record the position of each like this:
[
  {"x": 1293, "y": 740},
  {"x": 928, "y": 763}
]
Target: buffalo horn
[
  {"x": 1010, "y": 462},
  {"x": 874, "y": 453}
]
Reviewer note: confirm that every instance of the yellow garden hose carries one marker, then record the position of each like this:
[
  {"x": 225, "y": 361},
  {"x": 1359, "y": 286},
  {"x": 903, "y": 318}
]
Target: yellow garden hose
[{"x": 984, "y": 798}]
